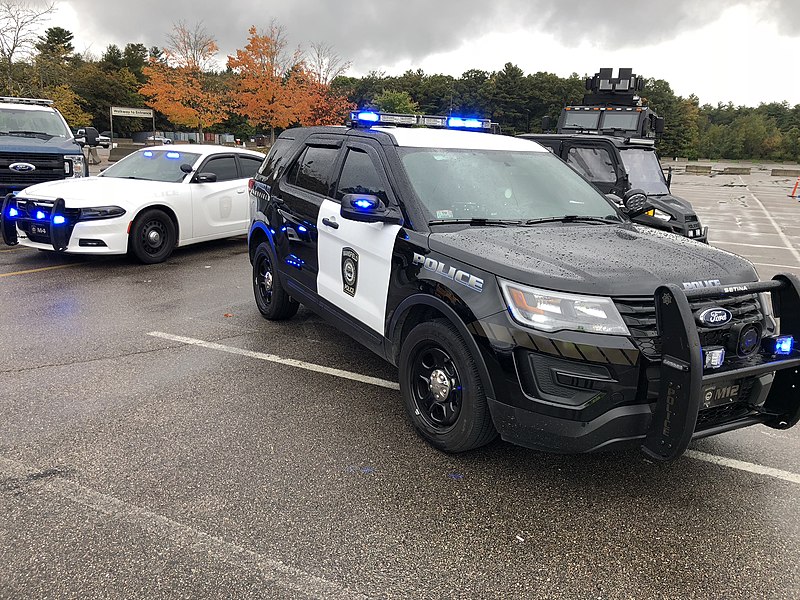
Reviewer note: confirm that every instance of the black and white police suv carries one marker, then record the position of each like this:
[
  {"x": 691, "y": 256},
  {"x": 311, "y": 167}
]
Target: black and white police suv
[{"x": 513, "y": 297}]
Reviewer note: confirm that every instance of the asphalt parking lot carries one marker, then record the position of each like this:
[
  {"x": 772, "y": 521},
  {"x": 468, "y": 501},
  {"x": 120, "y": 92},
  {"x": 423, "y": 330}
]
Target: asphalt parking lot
[{"x": 159, "y": 439}]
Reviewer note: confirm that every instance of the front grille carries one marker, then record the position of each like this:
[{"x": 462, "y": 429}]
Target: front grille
[
  {"x": 639, "y": 315},
  {"x": 49, "y": 167}
]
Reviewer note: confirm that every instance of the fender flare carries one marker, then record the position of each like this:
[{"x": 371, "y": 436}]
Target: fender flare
[
  {"x": 263, "y": 227},
  {"x": 455, "y": 319}
]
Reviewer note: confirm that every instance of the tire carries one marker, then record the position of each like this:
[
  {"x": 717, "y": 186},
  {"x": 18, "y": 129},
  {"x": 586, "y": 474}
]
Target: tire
[
  {"x": 434, "y": 359},
  {"x": 152, "y": 237},
  {"x": 272, "y": 300}
]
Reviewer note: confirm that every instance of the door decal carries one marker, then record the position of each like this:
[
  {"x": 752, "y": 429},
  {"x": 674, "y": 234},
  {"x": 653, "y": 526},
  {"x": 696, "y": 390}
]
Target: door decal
[{"x": 349, "y": 271}]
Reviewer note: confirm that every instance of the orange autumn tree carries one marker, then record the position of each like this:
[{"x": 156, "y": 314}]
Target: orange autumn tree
[
  {"x": 270, "y": 88},
  {"x": 180, "y": 86}
]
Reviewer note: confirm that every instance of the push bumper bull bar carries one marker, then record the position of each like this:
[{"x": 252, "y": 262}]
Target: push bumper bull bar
[
  {"x": 59, "y": 233},
  {"x": 682, "y": 367}
]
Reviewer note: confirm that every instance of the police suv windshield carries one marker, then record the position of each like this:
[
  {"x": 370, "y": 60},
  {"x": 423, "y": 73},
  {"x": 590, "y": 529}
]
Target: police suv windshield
[
  {"x": 34, "y": 123},
  {"x": 456, "y": 184},
  {"x": 152, "y": 165},
  {"x": 644, "y": 171}
]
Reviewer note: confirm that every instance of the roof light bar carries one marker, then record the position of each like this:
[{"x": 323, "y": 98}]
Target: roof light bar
[
  {"x": 366, "y": 118},
  {"x": 33, "y": 101}
]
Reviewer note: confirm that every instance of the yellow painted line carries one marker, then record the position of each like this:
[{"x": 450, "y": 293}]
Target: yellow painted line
[
  {"x": 40, "y": 270},
  {"x": 11, "y": 249}
]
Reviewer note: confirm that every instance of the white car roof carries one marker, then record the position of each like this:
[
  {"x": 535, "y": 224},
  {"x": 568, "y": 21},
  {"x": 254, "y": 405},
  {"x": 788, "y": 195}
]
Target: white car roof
[
  {"x": 203, "y": 149},
  {"x": 417, "y": 137},
  {"x": 31, "y": 107}
]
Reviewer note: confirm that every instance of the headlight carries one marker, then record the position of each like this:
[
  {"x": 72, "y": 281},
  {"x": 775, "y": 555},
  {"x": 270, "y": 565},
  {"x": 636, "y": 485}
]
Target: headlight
[
  {"x": 555, "y": 311},
  {"x": 659, "y": 214},
  {"x": 74, "y": 165},
  {"x": 101, "y": 212}
]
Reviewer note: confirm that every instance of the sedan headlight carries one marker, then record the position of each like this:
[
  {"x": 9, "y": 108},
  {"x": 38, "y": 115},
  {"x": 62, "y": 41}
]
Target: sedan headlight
[
  {"x": 554, "y": 311},
  {"x": 101, "y": 212},
  {"x": 74, "y": 165}
]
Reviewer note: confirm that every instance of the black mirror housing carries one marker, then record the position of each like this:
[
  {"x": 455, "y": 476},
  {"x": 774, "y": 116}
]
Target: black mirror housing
[
  {"x": 91, "y": 136},
  {"x": 205, "y": 178},
  {"x": 546, "y": 124},
  {"x": 636, "y": 202},
  {"x": 369, "y": 209},
  {"x": 659, "y": 125}
]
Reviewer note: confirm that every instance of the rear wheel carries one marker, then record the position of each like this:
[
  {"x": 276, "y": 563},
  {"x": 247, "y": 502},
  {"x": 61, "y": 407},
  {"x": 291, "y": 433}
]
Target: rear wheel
[
  {"x": 442, "y": 388},
  {"x": 272, "y": 300},
  {"x": 152, "y": 237}
]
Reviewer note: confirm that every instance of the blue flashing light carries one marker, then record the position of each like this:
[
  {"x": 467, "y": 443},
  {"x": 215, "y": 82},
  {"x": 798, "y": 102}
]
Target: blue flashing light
[
  {"x": 295, "y": 261},
  {"x": 13, "y": 212},
  {"x": 369, "y": 116},
  {"x": 59, "y": 220},
  {"x": 148, "y": 154},
  {"x": 784, "y": 345},
  {"x": 364, "y": 203},
  {"x": 301, "y": 229},
  {"x": 40, "y": 215},
  {"x": 173, "y": 155},
  {"x": 461, "y": 123}
]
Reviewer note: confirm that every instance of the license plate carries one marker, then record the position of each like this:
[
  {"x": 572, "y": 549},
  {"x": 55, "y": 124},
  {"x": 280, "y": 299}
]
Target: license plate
[
  {"x": 38, "y": 230},
  {"x": 720, "y": 394}
]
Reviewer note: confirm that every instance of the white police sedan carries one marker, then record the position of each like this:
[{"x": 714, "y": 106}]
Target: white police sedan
[{"x": 146, "y": 204}]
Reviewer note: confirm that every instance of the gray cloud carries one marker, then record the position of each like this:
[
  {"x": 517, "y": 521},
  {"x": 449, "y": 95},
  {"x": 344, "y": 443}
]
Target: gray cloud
[{"x": 375, "y": 32}]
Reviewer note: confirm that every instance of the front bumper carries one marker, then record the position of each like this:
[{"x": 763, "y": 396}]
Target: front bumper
[
  {"x": 573, "y": 393},
  {"x": 73, "y": 236}
]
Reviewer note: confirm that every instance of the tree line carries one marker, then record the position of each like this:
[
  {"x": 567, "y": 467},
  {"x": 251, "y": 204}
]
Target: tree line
[{"x": 265, "y": 87}]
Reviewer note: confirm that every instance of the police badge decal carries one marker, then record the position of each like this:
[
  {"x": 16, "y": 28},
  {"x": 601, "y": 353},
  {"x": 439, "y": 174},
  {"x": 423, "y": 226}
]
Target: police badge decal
[{"x": 349, "y": 271}]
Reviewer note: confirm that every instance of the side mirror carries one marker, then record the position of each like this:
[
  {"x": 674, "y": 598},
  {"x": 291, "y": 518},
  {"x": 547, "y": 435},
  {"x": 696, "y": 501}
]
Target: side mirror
[
  {"x": 636, "y": 203},
  {"x": 616, "y": 200},
  {"x": 659, "y": 125},
  {"x": 369, "y": 209},
  {"x": 546, "y": 124},
  {"x": 91, "y": 137},
  {"x": 205, "y": 178},
  {"x": 187, "y": 168}
]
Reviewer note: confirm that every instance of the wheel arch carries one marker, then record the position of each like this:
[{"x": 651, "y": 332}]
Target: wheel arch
[
  {"x": 258, "y": 234},
  {"x": 423, "y": 307},
  {"x": 170, "y": 213}
]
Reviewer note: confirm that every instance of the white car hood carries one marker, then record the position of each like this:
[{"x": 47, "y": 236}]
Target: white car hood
[{"x": 102, "y": 191}]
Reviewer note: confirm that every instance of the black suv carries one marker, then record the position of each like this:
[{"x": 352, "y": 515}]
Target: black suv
[{"x": 513, "y": 297}]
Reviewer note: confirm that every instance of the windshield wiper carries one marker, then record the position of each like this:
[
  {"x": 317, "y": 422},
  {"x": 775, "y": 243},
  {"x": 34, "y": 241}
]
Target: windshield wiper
[
  {"x": 573, "y": 219},
  {"x": 476, "y": 221},
  {"x": 40, "y": 134}
]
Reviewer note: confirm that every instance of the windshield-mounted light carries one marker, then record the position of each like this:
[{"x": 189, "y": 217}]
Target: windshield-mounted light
[{"x": 550, "y": 311}]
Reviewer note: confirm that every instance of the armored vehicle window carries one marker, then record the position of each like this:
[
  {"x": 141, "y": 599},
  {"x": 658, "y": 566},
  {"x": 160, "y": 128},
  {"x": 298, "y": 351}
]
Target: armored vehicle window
[
  {"x": 581, "y": 119},
  {"x": 224, "y": 168},
  {"x": 593, "y": 163},
  {"x": 627, "y": 120},
  {"x": 644, "y": 171},
  {"x": 359, "y": 176},
  {"x": 249, "y": 164},
  {"x": 312, "y": 170}
]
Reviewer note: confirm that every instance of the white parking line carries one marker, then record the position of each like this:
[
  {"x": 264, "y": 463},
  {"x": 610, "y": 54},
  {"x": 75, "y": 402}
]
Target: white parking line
[
  {"x": 744, "y": 466},
  {"x": 299, "y": 583},
  {"x": 750, "y": 245},
  {"x": 784, "y": 239},
  {"x": 779, "y": 266},
  {"x": 290, "y": 362}
]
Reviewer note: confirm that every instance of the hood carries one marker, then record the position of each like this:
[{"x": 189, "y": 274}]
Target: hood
[
  {"x": 39, "y": 146},
  {"x": 604, "y": 260},
  {"x": 684, "y": 206},
  {"x": 83, "y": 192}
]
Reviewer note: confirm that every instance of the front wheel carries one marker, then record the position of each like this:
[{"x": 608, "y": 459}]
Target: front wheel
[
  {"x": 442, "y": 388},
  {"x": 152, "y": 237},
  {"x": 272, "y": 300}
]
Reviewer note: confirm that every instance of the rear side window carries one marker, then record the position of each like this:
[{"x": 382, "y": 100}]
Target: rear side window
[
  {"x": 360, "y": 176},
  {"x": 249, "y": 165},
  {"x": 276, "y": 156},
  {"x": 312, "y": 170}
]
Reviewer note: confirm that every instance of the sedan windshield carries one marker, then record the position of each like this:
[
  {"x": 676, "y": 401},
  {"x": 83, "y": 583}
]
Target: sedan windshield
[
  {"x": 644, "y": 171},
  {"x": 152, "y": 165},
  {"x": 500, "y": 185},
  {"x": 39, "y": 123}
]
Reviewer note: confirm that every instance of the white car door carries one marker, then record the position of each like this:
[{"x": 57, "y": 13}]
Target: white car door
[{"x": 221, "y": 208}]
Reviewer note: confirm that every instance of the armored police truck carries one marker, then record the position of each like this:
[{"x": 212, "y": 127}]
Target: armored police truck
[
  {"x": 610, "y": 140},
  {"x": 514, "y": 298}
]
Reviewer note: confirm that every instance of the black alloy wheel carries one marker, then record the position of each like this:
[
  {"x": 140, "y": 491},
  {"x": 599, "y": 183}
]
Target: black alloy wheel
[
  {"x": 153, "y": 237},
  {"x": 437, "y": 387},
  {"x": 272, "y": 300}
]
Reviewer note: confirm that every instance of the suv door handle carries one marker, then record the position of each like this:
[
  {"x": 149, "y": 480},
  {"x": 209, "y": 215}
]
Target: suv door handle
[{"x": 330, "y": 223}]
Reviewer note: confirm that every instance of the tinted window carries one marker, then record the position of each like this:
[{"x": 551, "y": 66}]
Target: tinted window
[
  {"x": 314, "y": 169},
  {"x": 249, "y": 164},
  {"x": 276, "y": 156},
  {"x": 593, "y": 163},
  {"x": 359, "y": 176},
  {"x": 224, "y": 168}
]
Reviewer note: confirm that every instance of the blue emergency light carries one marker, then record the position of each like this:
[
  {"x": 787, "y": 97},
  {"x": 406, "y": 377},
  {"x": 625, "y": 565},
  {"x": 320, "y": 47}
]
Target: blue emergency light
[
  {"x": 13, "y": 212},
  {"x": 40, "y": 215},
  {"x": 59, "y": 220},
  {"x": 368, "y": 116},
  {"x": 173, "y": 155},
  {"x": 364, "y": 203},
  {"x": 784, "y": 345},
  {"x": 461, "y": 123},
  {"x": 148, "y": 153}
]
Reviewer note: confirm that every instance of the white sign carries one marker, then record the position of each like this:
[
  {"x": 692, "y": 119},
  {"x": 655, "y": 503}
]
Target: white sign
[{"x": 120, "y": 111}]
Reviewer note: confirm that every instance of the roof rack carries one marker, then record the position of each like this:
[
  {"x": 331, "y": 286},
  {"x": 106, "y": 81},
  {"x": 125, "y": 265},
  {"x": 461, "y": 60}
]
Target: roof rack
[
  {"x": 368, "y": 118},
  {"x": 31, "y": 101}
]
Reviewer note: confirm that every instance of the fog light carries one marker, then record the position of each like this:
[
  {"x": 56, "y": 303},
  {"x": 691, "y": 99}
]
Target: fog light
[{"x": 713, "y": 357}]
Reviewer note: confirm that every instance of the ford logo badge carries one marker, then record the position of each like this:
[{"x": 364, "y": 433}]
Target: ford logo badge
[
  {"x": 21, "y": 167},
  {"x": 715, "y": 317}
]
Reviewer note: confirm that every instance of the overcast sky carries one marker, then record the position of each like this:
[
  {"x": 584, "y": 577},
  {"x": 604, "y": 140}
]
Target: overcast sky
[{"x": 720, "y": 50}]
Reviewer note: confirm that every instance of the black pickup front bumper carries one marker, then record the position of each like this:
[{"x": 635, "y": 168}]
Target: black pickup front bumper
[{"x": 683, "y": 374}]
